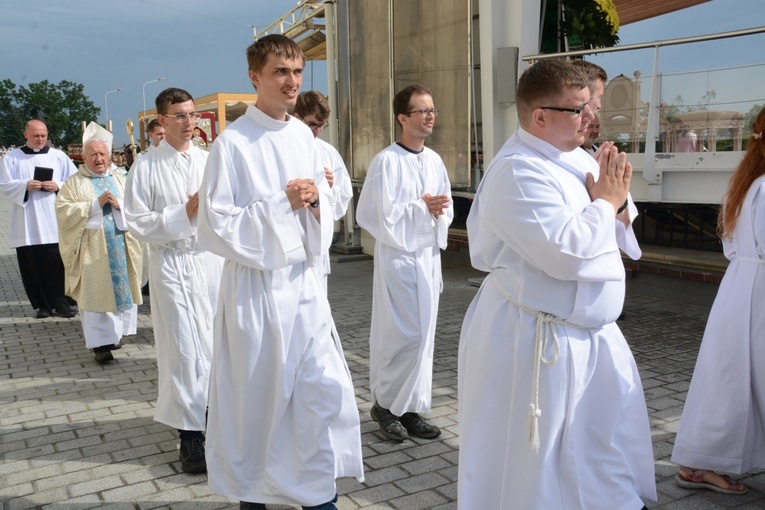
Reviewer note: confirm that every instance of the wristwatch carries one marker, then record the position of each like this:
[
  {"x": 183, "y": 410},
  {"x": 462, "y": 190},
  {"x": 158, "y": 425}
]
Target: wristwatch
[{"x": 315, "y": 204}]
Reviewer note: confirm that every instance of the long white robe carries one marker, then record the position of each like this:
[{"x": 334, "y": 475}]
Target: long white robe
[
  {"x": 183, "y": 279},
  {"x": 86, "y": 259},
  {"x": 33, "y": 214},
  {"x": 283, "y": 421},
  {"x": 341, "y": 191},
  {"x": 723, "y": 423},
  {"x": 407, "y": 273},
  {"x": 548, "y": 247}
]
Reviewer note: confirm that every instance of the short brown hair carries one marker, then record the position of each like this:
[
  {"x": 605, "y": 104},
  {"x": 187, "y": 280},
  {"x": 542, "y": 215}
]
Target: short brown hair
[
  {"x": 591, "y": 71},
  {"x": 276, "y": 44},
  {"x": 153, "y": 124},
  {"x": 401, "y": 101},
  {"x": 544, "y": 83},
  {"x": 313, "y": 103},
  {"x": 171, "y": 96}
]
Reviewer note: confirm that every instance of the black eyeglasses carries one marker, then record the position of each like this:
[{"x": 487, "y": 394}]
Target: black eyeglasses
[
  {"x": 314, "y": 125},
  {"x": 183, "y": 117},
  {"x": 575, "y": 111},
  {"x": 425, "y": 113}
]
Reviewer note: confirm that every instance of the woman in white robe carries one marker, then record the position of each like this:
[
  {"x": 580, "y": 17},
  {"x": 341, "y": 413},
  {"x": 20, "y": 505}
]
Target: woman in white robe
[{"x": 723, "y": 423}]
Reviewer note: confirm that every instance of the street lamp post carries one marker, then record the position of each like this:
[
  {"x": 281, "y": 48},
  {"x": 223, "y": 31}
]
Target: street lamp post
[
  {"x": 106, "y": 105},
  {"x": 143, "y": 93}
]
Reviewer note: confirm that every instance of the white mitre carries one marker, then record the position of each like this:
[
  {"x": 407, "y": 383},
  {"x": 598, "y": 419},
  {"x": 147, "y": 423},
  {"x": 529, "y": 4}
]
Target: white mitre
[{"x": 94, "y": 130}]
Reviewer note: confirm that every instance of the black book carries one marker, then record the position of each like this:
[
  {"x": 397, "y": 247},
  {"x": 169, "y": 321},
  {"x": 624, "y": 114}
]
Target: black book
[{"x": 43, "y": 174}]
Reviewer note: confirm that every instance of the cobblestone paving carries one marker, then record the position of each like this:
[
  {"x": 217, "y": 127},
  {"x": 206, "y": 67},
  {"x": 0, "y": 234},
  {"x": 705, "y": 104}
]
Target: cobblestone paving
[{"x": 78, "y": 435}]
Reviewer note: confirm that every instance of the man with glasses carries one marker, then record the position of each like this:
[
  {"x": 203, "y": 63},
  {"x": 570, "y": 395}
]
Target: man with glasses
[
  {"x": 161, "y": 203},
  {"x": 551, "y": 407},
  {"x": 405, "y": 205},
  {"x": 312, "y": 108}
]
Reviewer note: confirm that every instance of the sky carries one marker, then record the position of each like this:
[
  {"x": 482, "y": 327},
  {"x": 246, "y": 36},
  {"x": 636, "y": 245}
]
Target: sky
[
  {"x": 196, "y": 45},
  {"x": 106, "y": 45}
]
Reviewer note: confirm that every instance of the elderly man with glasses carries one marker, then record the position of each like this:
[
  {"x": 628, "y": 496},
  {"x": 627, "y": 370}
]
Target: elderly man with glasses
[
  {"x": 161, "y": 203},
  {"x": 406, "y": 205}
]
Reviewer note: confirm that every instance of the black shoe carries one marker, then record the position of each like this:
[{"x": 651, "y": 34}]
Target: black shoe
[
  {"x": 114, "y": 347},
  {"x": 414, "y": 423},
  {"x": 65, "y": 311},
  {"x": 389, "y": 424},
  {"x": 243, "y": 505},
  {"x": 103, "y": 354},
  {"x": 193, "y": 456},
  {"x": 43, "y": 313}
]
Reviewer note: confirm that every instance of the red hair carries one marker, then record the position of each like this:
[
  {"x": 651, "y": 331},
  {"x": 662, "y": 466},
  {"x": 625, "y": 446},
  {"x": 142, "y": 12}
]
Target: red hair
[{"x": 750, "y": 168}]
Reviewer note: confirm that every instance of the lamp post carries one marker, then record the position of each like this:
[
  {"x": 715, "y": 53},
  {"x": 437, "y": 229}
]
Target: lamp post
[
  {"x": 106, "y": 105},
  {"x": 143, "y": 93}
]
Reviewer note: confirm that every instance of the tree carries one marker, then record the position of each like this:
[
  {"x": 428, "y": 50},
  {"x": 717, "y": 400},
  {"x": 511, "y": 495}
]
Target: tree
[{"x": 65, "y": 107}]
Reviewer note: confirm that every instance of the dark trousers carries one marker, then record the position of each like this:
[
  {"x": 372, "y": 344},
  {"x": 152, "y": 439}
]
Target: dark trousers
[{"x": 42, "y": 273}]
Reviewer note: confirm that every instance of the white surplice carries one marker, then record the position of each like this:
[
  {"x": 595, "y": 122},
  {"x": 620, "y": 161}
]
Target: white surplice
[
  {"x": 342, "y": 193},
  {"x": 33, "y": 214},
  {"x": 723, "y": 423},
  {"x": 183, "y": 279},
  {"x": 551, "y": 249},
  {"x": 283, "y": 421},
  {"x": 407, "y": 273}
]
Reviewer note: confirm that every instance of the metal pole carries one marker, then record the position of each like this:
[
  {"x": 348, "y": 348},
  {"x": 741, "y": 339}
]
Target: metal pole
[
  {"x": 143, "y": 95},
  {"x": 106, "y": 105}
]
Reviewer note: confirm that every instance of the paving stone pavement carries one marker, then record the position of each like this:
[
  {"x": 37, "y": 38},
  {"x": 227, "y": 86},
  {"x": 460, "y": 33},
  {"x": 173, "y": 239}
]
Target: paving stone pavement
[{"x": 78, "y": 435}]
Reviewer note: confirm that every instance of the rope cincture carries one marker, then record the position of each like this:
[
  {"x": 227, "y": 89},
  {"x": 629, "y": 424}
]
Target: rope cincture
[{"x": 545, "y": 326}]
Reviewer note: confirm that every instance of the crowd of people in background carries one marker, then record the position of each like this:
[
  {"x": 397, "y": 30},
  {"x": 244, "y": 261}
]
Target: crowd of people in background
[{"x": 251, "y": 373}]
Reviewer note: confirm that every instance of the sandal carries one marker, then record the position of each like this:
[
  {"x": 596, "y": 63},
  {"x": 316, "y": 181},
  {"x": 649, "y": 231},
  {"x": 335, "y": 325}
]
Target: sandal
[{"x": 694, "y": 479}]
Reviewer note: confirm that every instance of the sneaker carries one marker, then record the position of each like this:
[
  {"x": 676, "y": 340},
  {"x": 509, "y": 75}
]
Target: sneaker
[
  {"x": 103, "y": 354},
  {"x": 389, "y": 424},
  {"x": 43, "y": 313},
  {"x": 416, "y": 425},
  {"x": 193, "y": 456},
  {"x": 65, "y": 311}
]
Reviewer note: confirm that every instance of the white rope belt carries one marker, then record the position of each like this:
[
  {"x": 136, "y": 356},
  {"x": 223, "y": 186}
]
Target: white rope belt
[
  {"x": 747, "y": 259},
  {"x": 545, "y": 323}
]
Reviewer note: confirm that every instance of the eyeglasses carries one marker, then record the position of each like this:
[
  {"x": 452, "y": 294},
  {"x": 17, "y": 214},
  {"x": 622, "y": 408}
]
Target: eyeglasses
[
  {"x": 183, "y": 117},
  {"x": 425, "y": 113},
  {"x": 576, "y": 111},
  {"x": 314, "y": 125}
]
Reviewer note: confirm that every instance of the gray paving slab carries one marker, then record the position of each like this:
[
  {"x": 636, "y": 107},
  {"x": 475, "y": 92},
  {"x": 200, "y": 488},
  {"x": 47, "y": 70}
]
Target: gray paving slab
[{"x": 78, "y": 435}]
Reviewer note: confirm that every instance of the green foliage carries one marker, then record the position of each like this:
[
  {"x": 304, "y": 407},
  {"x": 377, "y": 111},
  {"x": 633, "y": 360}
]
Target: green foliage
[
  {"x": 65, "y": 107},
  {"x": 587, "y": 25}
]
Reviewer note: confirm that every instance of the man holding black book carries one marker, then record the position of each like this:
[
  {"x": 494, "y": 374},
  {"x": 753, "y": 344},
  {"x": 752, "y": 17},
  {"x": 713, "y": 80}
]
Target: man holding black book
[{"x": 30, "y": 177}]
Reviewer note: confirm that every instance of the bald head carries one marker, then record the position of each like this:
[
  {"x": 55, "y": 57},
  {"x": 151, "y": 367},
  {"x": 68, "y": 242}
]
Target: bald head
[{"x": 36, "y": 134}]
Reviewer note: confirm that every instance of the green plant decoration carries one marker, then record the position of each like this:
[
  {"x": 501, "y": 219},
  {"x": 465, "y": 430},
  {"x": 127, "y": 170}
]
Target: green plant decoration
[{"x": 590, "y": 24}]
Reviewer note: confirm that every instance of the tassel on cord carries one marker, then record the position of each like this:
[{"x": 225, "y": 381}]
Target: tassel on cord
[
  {"x": 534, "y": 414},
  {"x": 545, "y": 325}
]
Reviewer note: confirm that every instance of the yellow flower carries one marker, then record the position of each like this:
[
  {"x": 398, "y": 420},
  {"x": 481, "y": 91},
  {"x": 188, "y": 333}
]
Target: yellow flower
[{"x": 609, "y": 9}]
